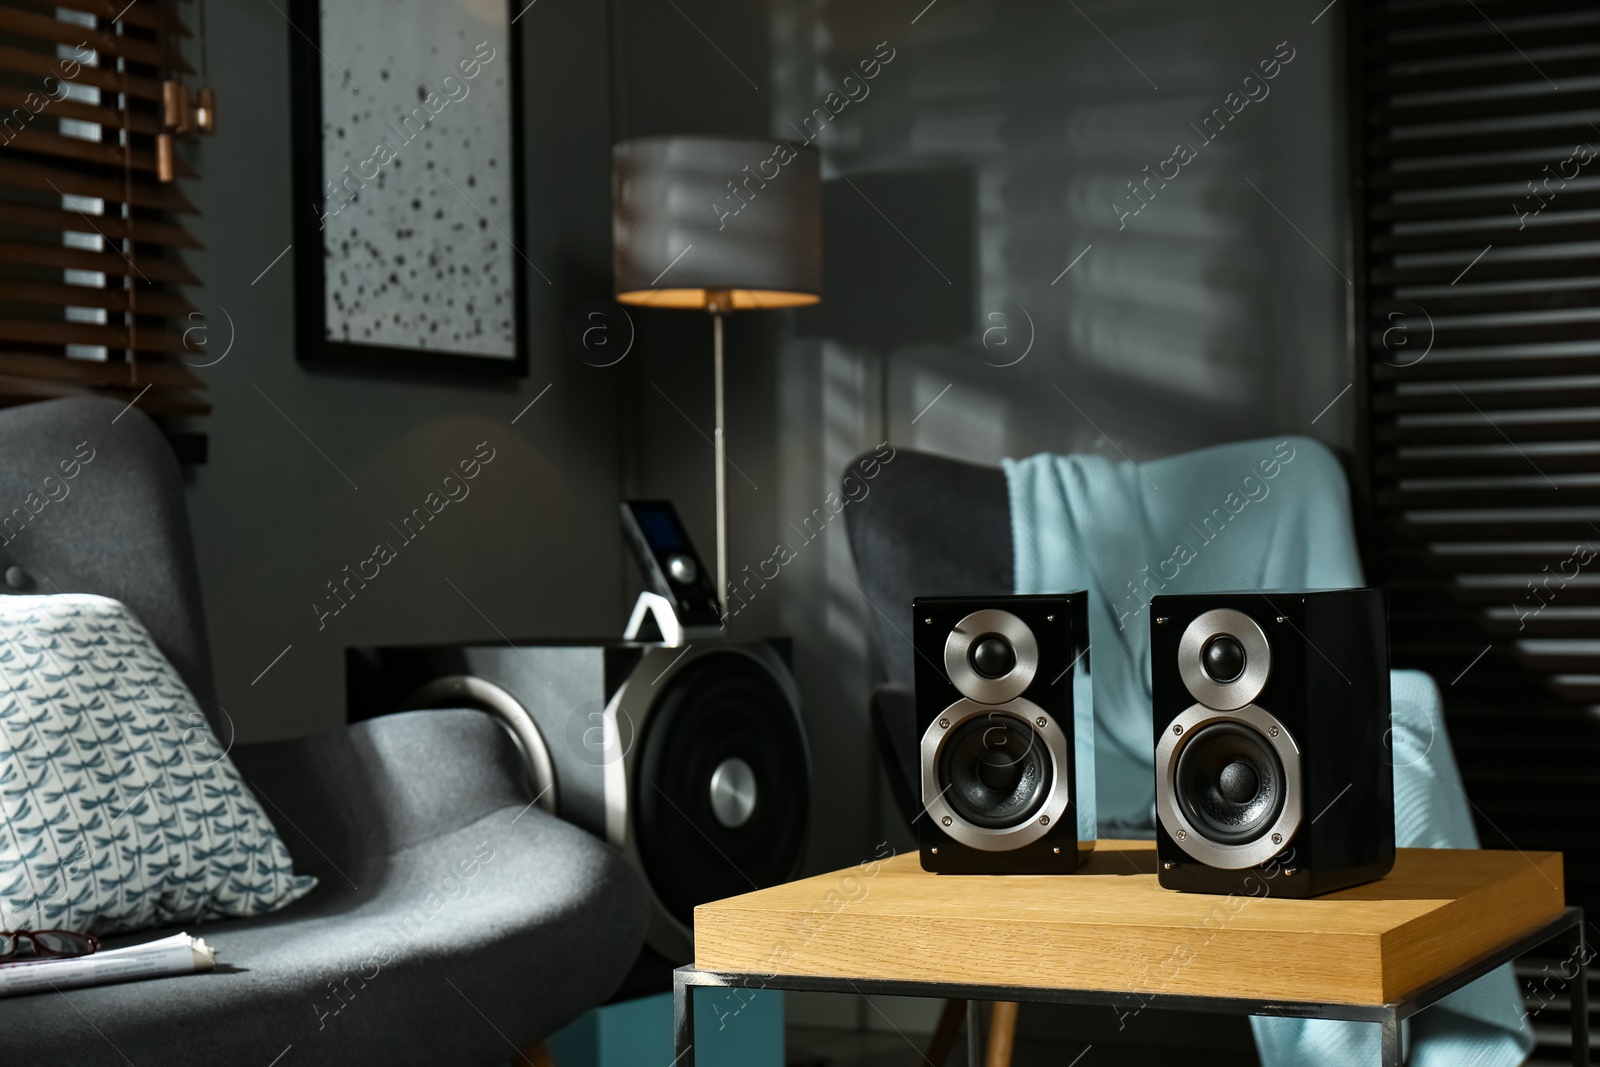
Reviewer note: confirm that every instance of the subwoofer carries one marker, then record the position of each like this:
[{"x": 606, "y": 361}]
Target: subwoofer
[
  {"x": 1271, "y": 711},
  {"x": 691, "y": 760},
  {"x": 1007, "y": 767}
]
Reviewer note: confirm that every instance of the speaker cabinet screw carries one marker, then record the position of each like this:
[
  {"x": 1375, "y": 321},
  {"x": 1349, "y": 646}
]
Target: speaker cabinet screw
[
  {"x": 945, "y": 821},
  {"x": 928, "y": 621},
  {"x": 1283, "y": 618},
  {"x": 1044, "y": 820},
  {"x": 1277, "y": 839},
  {"x": 1049, "y": 618},
  {"x": 1056, "y": 850},
  {"x": 1183, "y": 835},
  {"x": 934, "y": 850},
  {"x": 1040, "y": 722},
  {"x": 1167, "y": 866},
  {"x": 1272, "y": 731},
  {"x": 1288, "y": 872},
  {"x": 1176, "y": 730},
  {"x": 944, "y": 724}
]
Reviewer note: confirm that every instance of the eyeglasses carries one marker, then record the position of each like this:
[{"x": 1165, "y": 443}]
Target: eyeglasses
[{"x": 47, "y": 944}]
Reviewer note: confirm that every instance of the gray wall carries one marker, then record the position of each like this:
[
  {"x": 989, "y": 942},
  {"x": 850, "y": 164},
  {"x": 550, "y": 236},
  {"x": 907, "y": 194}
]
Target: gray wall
[
  {"x": 534, "y": 548},
  {"x": 985, "y": 158}
]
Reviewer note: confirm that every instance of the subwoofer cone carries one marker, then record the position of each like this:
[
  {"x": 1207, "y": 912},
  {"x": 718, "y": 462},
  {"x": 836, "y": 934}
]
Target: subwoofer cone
[
  {"x": 721, "y": 784},
  {"x": 1229, "y": 783},
  {"x": 996, "y": 771}
]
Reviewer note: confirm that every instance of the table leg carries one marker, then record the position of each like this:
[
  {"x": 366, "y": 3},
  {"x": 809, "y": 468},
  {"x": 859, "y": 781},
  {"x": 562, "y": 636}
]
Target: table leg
[
  {"x": 1002, "y": 1033},
  {"x": 682, "y": 1021},
  {"x": 1393, "y": 1054},
  {"x": 975, "y": 1050},
  {"x": 944, "y": 1037},
  {"x": 1580, "y": 999}
]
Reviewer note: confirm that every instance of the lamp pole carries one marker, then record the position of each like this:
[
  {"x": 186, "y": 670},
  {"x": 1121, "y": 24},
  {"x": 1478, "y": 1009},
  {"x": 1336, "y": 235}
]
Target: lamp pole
[{"x": 718, "y": 301}]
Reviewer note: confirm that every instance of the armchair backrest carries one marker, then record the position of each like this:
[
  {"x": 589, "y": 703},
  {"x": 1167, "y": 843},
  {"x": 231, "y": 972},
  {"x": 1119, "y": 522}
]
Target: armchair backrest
[
  {"x": 928, "y": 525},
  {"x": 91, "y": 501}
]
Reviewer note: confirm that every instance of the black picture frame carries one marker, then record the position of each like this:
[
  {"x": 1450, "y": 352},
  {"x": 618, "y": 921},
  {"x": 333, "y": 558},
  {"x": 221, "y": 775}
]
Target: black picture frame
[{"x": 313, "y": 346}]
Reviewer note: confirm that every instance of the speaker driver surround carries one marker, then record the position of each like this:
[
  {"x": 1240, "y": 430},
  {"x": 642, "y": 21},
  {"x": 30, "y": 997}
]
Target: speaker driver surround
[
  {"x": 1224, "y": 659},
  {"x": 991, "y": 656},
  {"x": 1000, "y": 778},
  {"x": 1207, "y": 801}
]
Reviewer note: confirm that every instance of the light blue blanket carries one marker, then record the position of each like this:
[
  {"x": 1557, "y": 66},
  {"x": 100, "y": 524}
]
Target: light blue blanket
[{"x": 1274, "y": 514}]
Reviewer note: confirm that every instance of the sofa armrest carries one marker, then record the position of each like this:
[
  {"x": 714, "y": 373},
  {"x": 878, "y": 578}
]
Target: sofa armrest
[{"x": 344, "y": 801}]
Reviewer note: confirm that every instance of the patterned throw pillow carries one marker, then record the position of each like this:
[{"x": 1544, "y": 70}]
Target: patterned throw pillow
[{"x": 118, "y": 809}]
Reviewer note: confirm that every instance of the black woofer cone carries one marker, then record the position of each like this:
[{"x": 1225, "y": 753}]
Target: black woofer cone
[
  {"x": 1229, "y": 783},
  {"x": 723, "y": 707},
  {"x": 995, "y": 771}
]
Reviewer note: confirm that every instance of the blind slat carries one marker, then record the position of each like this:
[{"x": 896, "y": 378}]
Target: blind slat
[
  {"x": 57, "y": 31},
  {"x": 101, "y": 153},
  {"x": 145, "y": 16},
  {"x": 1483, "y": 432},
  {"x": 1491, "y": 401},
  {"x": 64, "y": 332},
  {"x": 40, "y": 65},
  {"x": 130, "y": 239},
  {"x": 62, "y": 179},
  {"x": 142, "y": 268},
  {"x": 147, "y": 231},
  {"x": 27, "y": 98},
  {"x": 1490, "y": 270},
  {"x": 48, "y": 294},
  {"x": 97, "y": 373},
  {"x": 1541, "y": 103},
  {"x": 1489, "y": 42},
  {"x": 1502, "y": 236}
]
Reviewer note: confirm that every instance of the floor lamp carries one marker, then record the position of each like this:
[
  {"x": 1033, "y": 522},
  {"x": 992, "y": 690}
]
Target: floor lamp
[{"x": 716, "y": 224}]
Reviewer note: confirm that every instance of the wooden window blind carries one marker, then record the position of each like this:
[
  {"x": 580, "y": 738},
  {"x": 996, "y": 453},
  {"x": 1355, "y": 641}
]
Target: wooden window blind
[
  {"x": 92, "y": 211},
  {"x": 1476, "y": 204}
]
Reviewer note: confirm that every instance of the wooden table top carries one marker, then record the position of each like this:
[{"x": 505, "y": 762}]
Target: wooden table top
[{"x": 1111, "y": 927}]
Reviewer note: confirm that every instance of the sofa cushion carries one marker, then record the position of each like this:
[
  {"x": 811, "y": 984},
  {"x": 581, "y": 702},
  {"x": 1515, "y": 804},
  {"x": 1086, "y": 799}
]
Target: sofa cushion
[{"x": 120, "y": 809}]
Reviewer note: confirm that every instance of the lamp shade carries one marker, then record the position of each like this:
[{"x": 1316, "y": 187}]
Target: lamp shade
[{"x": 716, "y": 222}]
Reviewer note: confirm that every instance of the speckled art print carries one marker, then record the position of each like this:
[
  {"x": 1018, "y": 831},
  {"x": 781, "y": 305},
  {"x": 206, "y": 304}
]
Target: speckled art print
[{"x": 417, "y": 215}]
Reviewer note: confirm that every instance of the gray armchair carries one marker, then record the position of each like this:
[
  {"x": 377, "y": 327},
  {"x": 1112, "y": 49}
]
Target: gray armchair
[
  {"x": 384, "y": 814},
  {"x": 929, "y": 526}
]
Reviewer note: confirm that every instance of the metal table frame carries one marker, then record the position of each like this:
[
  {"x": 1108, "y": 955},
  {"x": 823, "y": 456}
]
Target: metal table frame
[{"x": 1568, "y": 927}]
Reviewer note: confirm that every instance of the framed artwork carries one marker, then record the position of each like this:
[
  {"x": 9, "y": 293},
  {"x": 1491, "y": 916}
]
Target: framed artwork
[{"x": 408, "y": 185}]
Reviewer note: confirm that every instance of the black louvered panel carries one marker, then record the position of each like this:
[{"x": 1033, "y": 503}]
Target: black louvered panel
[{"x": 1477, "y": 213}]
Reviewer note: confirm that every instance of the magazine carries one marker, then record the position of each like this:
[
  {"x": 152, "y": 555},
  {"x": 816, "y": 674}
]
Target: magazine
[{"x": 178, "y": 954}]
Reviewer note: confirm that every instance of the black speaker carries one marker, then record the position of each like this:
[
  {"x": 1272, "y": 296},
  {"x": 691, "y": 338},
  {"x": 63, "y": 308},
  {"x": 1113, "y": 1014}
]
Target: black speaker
[
  {"x": 1004, "y": 760},
  {"x": 691, "y": 760},
  {"x": 1271, "y": 714}
]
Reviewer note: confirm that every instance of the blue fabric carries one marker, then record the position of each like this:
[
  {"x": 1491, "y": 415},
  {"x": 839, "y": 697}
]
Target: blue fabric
[{"x": 1272, "y": 514}]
